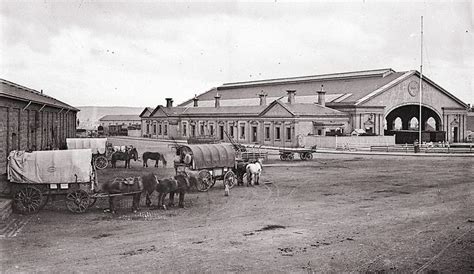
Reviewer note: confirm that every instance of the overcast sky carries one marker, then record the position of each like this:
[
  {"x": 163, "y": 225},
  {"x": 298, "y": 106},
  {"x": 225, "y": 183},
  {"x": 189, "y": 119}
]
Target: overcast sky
[{"x": 122, "y": 54}]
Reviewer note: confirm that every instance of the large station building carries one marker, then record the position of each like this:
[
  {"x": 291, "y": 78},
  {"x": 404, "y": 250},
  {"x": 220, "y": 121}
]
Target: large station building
[{"x": 281, "y": 111}]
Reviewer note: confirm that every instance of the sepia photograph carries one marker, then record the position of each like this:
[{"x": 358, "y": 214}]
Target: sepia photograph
[{"x": 236, "y": 136}]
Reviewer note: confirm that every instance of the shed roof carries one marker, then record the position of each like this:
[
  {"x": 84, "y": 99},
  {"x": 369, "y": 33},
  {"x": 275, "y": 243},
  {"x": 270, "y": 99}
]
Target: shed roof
[{"x": 18, "y": 92}]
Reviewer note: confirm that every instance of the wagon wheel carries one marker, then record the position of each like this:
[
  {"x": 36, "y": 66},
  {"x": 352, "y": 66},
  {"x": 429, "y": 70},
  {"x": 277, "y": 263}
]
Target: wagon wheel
[
  {"x": 230, "y": 179},
  {"x": 92, "y": 201},
  {"x": 283, "y": 157},
  {"x": 101, "y": 162},
  {"x": 303, "y": 156},
  {"x": 78, "y": 201},
  {"x": 205, "y": 180},
  {"x": 309, "y": 156},
  {"x": 28, "y": 200},
  {"x": 290, "y": 157}
]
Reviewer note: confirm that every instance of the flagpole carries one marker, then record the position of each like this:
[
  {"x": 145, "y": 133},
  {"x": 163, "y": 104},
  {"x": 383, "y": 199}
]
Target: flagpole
[{"x": 421, "y": 79}]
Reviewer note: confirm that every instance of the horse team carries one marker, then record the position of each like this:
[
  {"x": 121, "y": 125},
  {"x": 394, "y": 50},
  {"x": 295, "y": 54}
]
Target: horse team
[{"x": 178, "y": 184}]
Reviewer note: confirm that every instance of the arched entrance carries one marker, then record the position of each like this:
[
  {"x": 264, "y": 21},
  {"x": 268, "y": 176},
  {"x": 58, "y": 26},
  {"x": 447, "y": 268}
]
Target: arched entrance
[{"x": 408, "y": 116}]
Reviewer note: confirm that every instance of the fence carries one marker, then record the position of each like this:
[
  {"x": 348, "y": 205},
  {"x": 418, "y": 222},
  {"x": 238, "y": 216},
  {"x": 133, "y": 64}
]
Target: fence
[{"x": 348, "y": 142}]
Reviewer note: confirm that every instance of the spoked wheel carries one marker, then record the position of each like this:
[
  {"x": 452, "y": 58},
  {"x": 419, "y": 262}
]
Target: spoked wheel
[
  {"x": 78, "y": 201},
  {"x": 101, "y": 162},
  {"x": 205, "y": 180},
  {"x": 309, "y": 156},
  {"x": 283, "y": 157},
  {"x": 230, "y": 179},
  {"x": 29, "y": 200},
  {"x": 92, "y": 201},
  {"x": 290, "y": 157},
  {"x": 303, "y": 156}
]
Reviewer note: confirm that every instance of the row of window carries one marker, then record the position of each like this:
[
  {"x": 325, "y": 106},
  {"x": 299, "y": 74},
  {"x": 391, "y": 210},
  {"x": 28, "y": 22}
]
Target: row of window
[
  {"x": 162, "y": 129},
  {"x": 242, "y": 132}
]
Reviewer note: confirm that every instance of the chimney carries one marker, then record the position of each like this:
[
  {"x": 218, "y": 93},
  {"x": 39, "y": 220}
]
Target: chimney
[
  {"x": 263, "y": 98},
  {"x": 291, "y": 96},
  {"x": 322, "y": 96},
  {"x": 195, "y": 101},
  {"x": 169, "y": 102},
  {"x": 218, "y": 100}
]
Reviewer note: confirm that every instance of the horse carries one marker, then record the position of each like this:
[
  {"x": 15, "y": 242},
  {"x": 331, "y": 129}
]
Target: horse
[
  {"x": 153, "y": 156},
  {"x": 180, "y": 183},
  {"x": 253, "y": 172},
  {"x": 136, "y": 186},
  {"x": 130, "y": 153}
]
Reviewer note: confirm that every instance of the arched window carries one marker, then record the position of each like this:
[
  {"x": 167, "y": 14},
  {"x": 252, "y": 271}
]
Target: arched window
[
  {"x": 430, "y": 124},
  {"x": 397, "y": 123},
  {"x": 413, "y": 123}
]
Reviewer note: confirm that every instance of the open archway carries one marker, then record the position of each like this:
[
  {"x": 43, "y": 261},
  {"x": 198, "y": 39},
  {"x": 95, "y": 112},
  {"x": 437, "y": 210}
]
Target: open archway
[{"x": 408, "y": 116}]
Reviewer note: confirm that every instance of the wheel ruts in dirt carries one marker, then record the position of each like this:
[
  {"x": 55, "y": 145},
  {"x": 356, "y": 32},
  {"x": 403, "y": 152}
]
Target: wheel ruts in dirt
[{"x": 78, "y": 201}]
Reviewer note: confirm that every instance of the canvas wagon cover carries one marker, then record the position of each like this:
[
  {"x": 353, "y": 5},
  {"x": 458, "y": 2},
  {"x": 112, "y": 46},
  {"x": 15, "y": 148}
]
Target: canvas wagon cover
[
  {"x": 50, "y": 167},
  {"x": 212, "y": 155},
  {"x": 97, "y": 145}
]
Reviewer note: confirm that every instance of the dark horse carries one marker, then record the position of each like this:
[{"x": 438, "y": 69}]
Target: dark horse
[
  {"x": 130, "y": 153},
  {"x": 180, "y": 183},
  {"x": 132, "y": 186},
  {"x": 153, "y": 156}
]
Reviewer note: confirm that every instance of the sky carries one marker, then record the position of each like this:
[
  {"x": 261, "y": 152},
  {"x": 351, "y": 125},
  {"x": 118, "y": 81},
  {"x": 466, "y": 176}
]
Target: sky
[{"x": 123, "y": 53}]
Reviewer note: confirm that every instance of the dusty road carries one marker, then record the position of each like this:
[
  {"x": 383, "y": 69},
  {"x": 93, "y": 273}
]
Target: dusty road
[{"x": 334, "y": 213}]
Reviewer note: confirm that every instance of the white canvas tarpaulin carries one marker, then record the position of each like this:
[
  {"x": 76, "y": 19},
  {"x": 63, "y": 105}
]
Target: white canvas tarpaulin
[
  {"x": 97, "y": 145},
  {"x": 50, "y": 167}
]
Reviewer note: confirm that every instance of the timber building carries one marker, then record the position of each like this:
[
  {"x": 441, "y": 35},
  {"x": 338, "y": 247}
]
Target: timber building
[{"x": 31, "y": 120}]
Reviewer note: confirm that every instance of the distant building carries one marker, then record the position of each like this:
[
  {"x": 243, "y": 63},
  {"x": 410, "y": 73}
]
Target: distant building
[
  {"x": 31, "y": 120},
  {"x": 377, "y": 102},
  {"x": 119, "y": 124}
]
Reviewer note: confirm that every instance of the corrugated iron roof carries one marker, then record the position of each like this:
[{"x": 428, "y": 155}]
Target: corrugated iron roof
[
  {"x": 18, "y": 92},
  {"x": 355, "y": 85}
]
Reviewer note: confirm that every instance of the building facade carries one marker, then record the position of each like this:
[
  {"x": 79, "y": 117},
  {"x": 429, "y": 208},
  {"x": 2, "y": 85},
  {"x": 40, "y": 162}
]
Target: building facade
[
  {"x": 31, "y": 120},
  {"x": 119, "y": 124},
  {"x": 376, "y": 102}
]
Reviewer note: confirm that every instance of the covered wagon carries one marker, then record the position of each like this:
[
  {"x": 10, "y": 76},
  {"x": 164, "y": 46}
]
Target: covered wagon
[
  {"x": 35, "y": 176},
  {"x": 211, "y": 162}
]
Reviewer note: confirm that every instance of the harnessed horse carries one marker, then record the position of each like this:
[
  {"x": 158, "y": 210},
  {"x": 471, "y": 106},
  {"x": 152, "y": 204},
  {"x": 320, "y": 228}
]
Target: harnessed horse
[
  {"x": 130, "y": 153},
  {"x": 253, "y": 172}
]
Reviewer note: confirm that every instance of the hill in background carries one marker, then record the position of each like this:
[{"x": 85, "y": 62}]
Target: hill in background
[{"x": 89, "y": 116}]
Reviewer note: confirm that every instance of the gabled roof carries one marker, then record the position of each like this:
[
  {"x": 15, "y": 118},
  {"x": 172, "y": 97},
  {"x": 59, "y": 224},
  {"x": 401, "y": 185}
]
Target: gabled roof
[
  {"x": 305, "y": 109},
  {"x": 18, "y": 92},
  {"x": 403, "y": 77},
  {"x": 120, "y": 118},
  {"x": 146, "y": 112}
]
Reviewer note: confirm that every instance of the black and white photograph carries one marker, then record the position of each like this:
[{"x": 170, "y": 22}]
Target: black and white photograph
[{"x": 236, "y": 136}]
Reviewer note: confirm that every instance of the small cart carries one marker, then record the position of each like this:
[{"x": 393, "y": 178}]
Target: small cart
[
  {"x": 287, "y": 154},
  {"x": 101, "y": 152}
]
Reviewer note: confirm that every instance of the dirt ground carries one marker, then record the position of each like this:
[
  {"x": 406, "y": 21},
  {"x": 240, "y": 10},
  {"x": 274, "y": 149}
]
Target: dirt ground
[{"x": 335, "y": 213}]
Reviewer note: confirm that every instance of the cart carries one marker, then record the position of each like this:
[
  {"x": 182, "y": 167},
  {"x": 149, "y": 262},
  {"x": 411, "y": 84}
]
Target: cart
[
  {"x": 101, "y": 151},
  {"x": 210, "y": 162},
  {"x": 287, "y": 154},
  {"x": 39, "y": 175}
]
